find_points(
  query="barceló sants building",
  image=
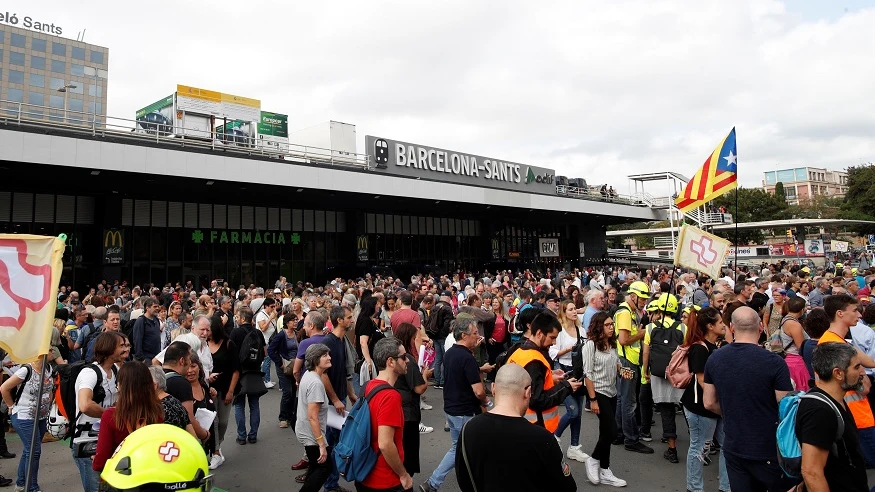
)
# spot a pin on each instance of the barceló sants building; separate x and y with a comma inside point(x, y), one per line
point(142, 202)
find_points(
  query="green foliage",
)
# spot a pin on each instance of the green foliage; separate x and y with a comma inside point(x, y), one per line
point(819, 207)
point(754, 205)
point(859, 202)
point(779, 191)
point(644, 242)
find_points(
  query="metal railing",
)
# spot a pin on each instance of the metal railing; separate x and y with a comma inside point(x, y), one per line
point(664, 242)
point(595, 193)
point(32, 115)
point(709, 217)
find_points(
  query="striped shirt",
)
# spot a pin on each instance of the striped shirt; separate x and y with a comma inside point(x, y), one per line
point(601, 368)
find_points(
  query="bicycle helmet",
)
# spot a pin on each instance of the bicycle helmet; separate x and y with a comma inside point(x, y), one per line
point(158, 457)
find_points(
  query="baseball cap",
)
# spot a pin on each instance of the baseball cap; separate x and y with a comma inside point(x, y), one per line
point(551, 297)
point(277, 291)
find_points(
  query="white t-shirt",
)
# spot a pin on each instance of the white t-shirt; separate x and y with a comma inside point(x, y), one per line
point(262, 316)
point(24, 408)
point(88, 379)
point(563, 341)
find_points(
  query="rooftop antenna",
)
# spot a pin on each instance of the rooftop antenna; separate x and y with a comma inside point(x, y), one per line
point(83, 35)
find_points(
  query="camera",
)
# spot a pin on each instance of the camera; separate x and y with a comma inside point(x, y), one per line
point(85, 443)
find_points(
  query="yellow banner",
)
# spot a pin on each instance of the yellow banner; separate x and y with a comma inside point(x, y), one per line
point(194, 92)
point(30, 270)
point(243, 101)
point(701, 251)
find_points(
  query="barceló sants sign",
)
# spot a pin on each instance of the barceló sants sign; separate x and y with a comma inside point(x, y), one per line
point(30, 23)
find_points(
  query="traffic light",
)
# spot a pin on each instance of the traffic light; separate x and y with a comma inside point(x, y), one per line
point(790, 233)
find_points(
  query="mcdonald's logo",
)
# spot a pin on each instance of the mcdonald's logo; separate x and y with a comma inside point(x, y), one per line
point(111, 237)
point(361, 242)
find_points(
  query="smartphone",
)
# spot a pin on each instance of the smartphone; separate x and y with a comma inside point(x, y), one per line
point(569, 373)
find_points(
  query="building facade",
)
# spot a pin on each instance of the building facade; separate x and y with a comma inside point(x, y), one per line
point(50, 78)
point(802, 184)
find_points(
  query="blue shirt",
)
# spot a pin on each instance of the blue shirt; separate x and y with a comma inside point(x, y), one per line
point(587, 317)
point(864, 339)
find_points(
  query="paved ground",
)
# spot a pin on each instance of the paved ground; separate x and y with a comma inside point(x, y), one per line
point(265, 465)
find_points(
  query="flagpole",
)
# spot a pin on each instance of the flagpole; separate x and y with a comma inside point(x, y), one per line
point(36, 419)
point(735, 219)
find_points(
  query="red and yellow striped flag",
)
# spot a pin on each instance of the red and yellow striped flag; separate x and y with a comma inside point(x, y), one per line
point(717, 176)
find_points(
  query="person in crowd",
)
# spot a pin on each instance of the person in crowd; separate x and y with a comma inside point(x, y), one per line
point(570, 339)
point(146, 339)
point(367, 334)
point(491, 440)
point(109, 349)
point(411, 386)
point(704, 328)
point(601, 365)
point(744, 383)
point(238, 336)
point(204, 396)
point(174, 412)
point(792, 338)
point(404, 312)
point(387, 420)
point(438, 328)
point(773, 313)
point(595, 302)
point(314, 329)
point(137, 405)
point(226, 364)
point(630, 333)
point(496, 330)
point(283, 350)
point(829, 463)
point(337, 379)
point(28, 408)
point(55, 356)
point(312, 417)
point(266, 322)
point(389, 307)
point(177, 362)
point(171, 324)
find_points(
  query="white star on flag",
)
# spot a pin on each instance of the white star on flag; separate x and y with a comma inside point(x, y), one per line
point(731, 158)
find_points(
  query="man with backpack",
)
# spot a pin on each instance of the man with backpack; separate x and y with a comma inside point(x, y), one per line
point(250, 343)
point(88, 333)
point(832, 460)
point(95, 390)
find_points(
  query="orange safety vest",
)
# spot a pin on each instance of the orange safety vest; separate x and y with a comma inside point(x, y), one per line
point(549, 417)
point(857, 403)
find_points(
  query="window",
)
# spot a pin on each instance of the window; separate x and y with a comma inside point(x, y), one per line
point(37, 80)
point(16, 58)
point(38, 45)
point(17, 40)
point(56, 102)
point(78, 53)
point(56, 83)
point(36, 98)
point(38, 62)
point(59, 66)
point(79, 89)
point(96, 108)
point(59, 49)
point(97, 57)
point(15, 95)
point(76, 69)
point(95, 90)
point(15, 77)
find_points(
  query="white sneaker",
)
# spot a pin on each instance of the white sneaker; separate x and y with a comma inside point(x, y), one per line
point(216, 461)
point(559, 441)
point(269, 384)
point(424, 429)
point(592, 470)
point(606, 477)
point(424, 406)
point(576, 453)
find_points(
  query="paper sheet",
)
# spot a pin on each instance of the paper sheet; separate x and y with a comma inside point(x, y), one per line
point(204, 417)
point(421, 356)
point(336, 421)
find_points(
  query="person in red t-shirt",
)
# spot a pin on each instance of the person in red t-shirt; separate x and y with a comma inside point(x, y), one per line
point(405, 314)
point(387, 421)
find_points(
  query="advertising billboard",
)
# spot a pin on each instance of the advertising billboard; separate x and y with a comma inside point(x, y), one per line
point(157, 117)
point(218, 104)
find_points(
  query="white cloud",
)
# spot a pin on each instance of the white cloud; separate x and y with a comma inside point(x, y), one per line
point(594, 89)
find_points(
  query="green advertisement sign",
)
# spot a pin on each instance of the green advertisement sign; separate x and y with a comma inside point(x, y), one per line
point(156, 106)
point(273, 124)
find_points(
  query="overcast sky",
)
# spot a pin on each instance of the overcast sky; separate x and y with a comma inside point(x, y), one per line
point(596, 89)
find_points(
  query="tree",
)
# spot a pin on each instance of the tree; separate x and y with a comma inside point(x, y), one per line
point(818, 207)
point(859, 202)
point(754, 205)
point(779, 191)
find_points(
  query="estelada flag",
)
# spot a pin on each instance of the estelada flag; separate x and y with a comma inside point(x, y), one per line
point(717, 176)
point(30, 270)
point(701, 251)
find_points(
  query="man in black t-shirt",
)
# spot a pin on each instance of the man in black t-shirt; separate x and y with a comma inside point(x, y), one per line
point(177, 360)
point(827, 462)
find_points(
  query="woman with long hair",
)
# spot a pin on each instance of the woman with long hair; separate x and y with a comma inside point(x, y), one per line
point(411, 386)
point(137, 406)
point(227, 365)
point(367, 334)
point(496, 330)
point(704, 327)
point(283, 350)
point(792, 336)
point(205, 305)
point(569, 340)
point(204, 396)
point(389, 309)
point(171, 324)
point(601, 366)
point(773, 313)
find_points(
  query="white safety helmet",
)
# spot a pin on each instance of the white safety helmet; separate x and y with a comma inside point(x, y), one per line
point(58, 425)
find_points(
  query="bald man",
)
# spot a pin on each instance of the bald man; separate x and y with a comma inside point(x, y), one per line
point(500, 436)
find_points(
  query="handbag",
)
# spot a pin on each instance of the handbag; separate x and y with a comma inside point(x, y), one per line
point(289, 367)
point(252, 384)
point(577, 357)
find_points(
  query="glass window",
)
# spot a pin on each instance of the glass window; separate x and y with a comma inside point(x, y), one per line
point(59, 49)
point(79, 89)
point(15, 95)
point(16, 58)
point(97, 57)
point(56, 102)
point(38, 62)
point(78, 53)
point(17, 40)
point(59, 66)
point(15, 77)
point(56, 83)
point(37, 80)
point(95, 90)
point(38, 45)
point(97, 109)
point(75, 104)
point(76, 69)
point(36, 98)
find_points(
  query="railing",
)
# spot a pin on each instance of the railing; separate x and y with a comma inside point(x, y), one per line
point(709, 217)
point(595, 193)
point(32, 115)
point(664, 242)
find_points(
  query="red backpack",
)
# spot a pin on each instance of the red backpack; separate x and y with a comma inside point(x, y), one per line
point(678, 371)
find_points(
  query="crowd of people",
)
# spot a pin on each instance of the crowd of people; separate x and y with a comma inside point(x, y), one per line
point(508, 350)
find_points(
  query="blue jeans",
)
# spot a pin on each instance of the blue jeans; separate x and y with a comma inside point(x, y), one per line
point(867, 444)
point(332, 437)
point(449, 461)
point(627, 395)
point(265, 368)
point(356, 386)
point(240, 416)
point(439, 360)
point(287, 402)
point(573, 406)
point(703, 429)
point(90, 478)
point(25, 429)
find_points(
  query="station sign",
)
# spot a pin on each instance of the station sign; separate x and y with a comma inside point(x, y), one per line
point(548, 247)
point(417, 161)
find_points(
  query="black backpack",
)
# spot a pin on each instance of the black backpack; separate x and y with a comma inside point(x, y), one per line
point(93, 332)
point(66, 376)
point(663, 342)
point(250, 349)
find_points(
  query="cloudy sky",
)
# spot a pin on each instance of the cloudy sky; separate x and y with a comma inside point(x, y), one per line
point(597, 89)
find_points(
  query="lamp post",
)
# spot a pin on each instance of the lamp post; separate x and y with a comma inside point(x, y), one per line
point(65, 91)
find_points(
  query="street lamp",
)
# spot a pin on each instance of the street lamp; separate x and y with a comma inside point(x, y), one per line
point(64, 90)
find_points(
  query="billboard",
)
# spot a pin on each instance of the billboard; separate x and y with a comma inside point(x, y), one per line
point(814, 247)
point(218, 104)
point(548, 247)
point(157, 117)
point(113, 247)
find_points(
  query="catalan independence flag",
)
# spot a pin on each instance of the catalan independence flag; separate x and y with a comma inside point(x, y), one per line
point(718, 175)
